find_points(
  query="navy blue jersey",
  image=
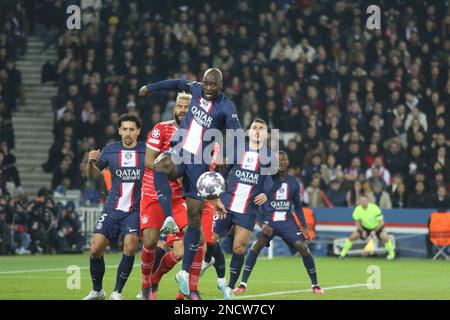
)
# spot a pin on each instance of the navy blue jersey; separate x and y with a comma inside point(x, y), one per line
point(285, 200)
point(249, 177)
point(219, 114)
point(127, 170)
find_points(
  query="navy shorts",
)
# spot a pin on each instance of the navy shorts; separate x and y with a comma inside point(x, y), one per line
point(223, 226)
point(113, 223)
point(190, 168)
point(286, 230)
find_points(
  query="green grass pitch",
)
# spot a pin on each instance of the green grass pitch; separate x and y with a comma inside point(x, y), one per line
point(46, 277)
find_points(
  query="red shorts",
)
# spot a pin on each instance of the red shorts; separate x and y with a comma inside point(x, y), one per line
point(152, 215)
point(207, 226)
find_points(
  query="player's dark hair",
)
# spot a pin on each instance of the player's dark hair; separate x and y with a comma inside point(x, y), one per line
point(129, 117)
point(259, 120)
point(284, 153)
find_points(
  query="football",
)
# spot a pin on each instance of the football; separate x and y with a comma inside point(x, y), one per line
point(210, 185)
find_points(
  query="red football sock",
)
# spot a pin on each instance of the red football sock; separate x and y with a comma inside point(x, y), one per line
point(147, 261)
point(168, 261)
point(196, 268)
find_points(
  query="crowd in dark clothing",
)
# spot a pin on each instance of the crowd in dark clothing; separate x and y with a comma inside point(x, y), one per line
point(12, 45)
point(39, 226)
point(359, 109)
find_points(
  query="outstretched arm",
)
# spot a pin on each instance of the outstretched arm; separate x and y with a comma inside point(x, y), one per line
point(180, 85)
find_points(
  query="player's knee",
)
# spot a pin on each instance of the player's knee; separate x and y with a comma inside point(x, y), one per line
point(96, 251)
point(239, 248)
point(129, 249)
point(258, 246)
point(195, 220)
point(302, 248)
point(149, 243)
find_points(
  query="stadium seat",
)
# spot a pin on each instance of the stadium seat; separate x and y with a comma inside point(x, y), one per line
point(440, 233)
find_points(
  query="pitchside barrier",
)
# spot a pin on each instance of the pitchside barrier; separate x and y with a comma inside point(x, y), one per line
point(408, 227)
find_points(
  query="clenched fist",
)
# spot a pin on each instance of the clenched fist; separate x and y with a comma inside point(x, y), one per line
point(94, 155)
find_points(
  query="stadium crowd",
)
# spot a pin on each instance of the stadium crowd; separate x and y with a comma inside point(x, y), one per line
point(39, 226)
point(358, 109)
point(12, 45)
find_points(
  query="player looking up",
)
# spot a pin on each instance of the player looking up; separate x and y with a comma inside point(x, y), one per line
point(125, 160)
point(279, 221)
point(209, 109)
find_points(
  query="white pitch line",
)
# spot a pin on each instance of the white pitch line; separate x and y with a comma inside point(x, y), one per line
point(55, 269)
point(300, 291)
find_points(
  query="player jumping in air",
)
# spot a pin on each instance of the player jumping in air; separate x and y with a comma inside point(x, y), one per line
point(155, 261)
point(125, 160)
point(238, 207)
point(279, 221)
point(209, 109)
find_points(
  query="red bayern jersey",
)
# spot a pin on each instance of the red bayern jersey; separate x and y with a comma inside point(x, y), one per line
point(159, 140)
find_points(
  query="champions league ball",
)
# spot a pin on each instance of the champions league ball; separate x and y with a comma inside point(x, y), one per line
point(211, 185)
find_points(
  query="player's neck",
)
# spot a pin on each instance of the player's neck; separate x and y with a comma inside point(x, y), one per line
point(283, 174)
point(255, 145)
point(131, 146)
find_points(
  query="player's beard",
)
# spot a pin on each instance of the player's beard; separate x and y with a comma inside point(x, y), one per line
point(178, 121)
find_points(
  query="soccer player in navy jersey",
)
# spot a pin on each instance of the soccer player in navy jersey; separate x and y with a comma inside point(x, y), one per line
point(279, 221)
point(253, 177)
point(125, 159)
point(190, 157)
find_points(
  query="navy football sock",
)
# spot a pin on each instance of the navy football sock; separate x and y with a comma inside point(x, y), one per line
point(164, 192)
point(237, 260)
point(191, 240)
point(158, 256)
point(219, 264)
point(123, 271)
point(249, 264)
point(310, 266)
point(210, 248)
point(97, 267)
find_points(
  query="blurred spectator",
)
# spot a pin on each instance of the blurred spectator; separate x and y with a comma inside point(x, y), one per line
point(362, 101)
point(442, 200)
point(420, 198)
point(336, 194)
point(382, 198)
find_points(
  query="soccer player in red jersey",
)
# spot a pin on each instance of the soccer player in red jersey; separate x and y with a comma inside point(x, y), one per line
point(152, 216)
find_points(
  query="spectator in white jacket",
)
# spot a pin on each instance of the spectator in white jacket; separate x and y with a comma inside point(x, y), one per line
point(378, 164)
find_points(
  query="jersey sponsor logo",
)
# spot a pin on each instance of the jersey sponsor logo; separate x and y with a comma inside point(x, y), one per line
point(280, 205)
point(202, 117)
point(156, 133)
point(247, 177)
point(129, 174)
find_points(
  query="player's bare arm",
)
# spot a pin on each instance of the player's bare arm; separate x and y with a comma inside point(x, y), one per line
point(150, 157)
point(92, 171)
